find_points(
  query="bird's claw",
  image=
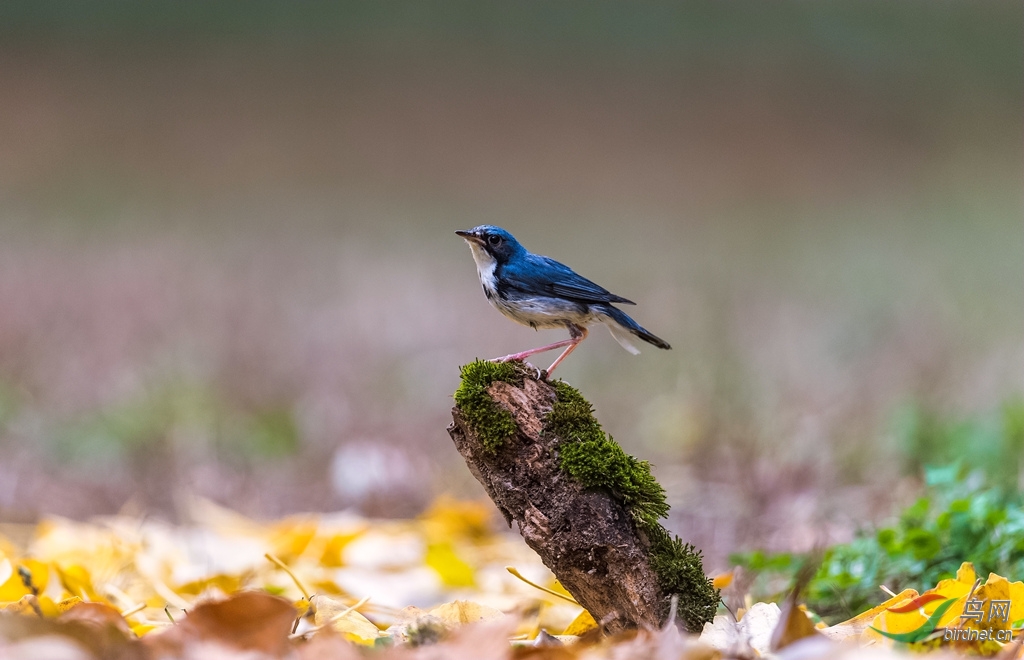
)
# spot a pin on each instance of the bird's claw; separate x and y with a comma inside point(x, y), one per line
point(542, 374)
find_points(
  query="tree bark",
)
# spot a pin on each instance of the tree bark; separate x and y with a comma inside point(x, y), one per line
point(586, 537)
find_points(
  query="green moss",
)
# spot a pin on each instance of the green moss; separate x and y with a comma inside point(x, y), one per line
point(492, 423)
point(572, 417)
point(601, 463)
point(680, 570)
point(595, 460)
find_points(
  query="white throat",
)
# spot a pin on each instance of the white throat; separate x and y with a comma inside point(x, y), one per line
point(485, 266)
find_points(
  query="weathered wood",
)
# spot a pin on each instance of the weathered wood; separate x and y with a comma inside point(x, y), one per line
point(587, 537)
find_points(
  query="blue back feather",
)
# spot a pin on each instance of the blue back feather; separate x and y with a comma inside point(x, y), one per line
point(542, 276)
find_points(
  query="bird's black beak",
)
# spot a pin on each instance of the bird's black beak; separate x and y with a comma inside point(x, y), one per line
point(469, 235)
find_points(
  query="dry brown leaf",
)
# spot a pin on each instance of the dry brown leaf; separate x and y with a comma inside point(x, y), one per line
point(248, 621)
point(99, 615)
point(99, 637)
point(25, 605)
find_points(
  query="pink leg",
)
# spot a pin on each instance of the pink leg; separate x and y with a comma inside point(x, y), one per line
point(579, 333)
point(533, 351)
point(575, 341)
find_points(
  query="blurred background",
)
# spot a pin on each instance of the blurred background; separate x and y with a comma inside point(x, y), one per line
point(227, 265)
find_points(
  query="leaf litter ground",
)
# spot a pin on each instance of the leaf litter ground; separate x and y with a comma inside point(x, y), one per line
point(438, 586)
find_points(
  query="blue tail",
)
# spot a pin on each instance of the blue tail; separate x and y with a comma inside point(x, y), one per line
point(621, 326)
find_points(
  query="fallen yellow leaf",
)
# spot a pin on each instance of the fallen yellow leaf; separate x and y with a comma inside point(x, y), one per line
point(460, 612)
point(583, 623)
point(722, 580)
point(78, 582)
point(290, 538)
point(858, 624)
point(453, 570)
point(339, 615)
point(449, 518)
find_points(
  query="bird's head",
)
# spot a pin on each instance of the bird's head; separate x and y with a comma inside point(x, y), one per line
point(491, 243)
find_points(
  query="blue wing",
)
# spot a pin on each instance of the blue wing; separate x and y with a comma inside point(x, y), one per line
point(542, 276)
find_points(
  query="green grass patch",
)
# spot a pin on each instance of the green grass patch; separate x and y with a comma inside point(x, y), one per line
point(959, 517)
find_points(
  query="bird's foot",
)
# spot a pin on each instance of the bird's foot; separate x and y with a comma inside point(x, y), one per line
point(542, 374)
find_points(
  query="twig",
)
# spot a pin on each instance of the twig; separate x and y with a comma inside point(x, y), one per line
point(133, 610)
point(168, 594)
point(284, 567)
point(515, 571)
point(336, 617)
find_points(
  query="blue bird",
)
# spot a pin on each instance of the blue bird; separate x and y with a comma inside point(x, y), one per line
point(543, 293)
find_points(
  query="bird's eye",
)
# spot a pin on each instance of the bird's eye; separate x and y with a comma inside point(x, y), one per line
point(494, 240)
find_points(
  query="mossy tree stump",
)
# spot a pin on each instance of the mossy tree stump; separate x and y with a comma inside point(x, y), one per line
point(586, 507)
